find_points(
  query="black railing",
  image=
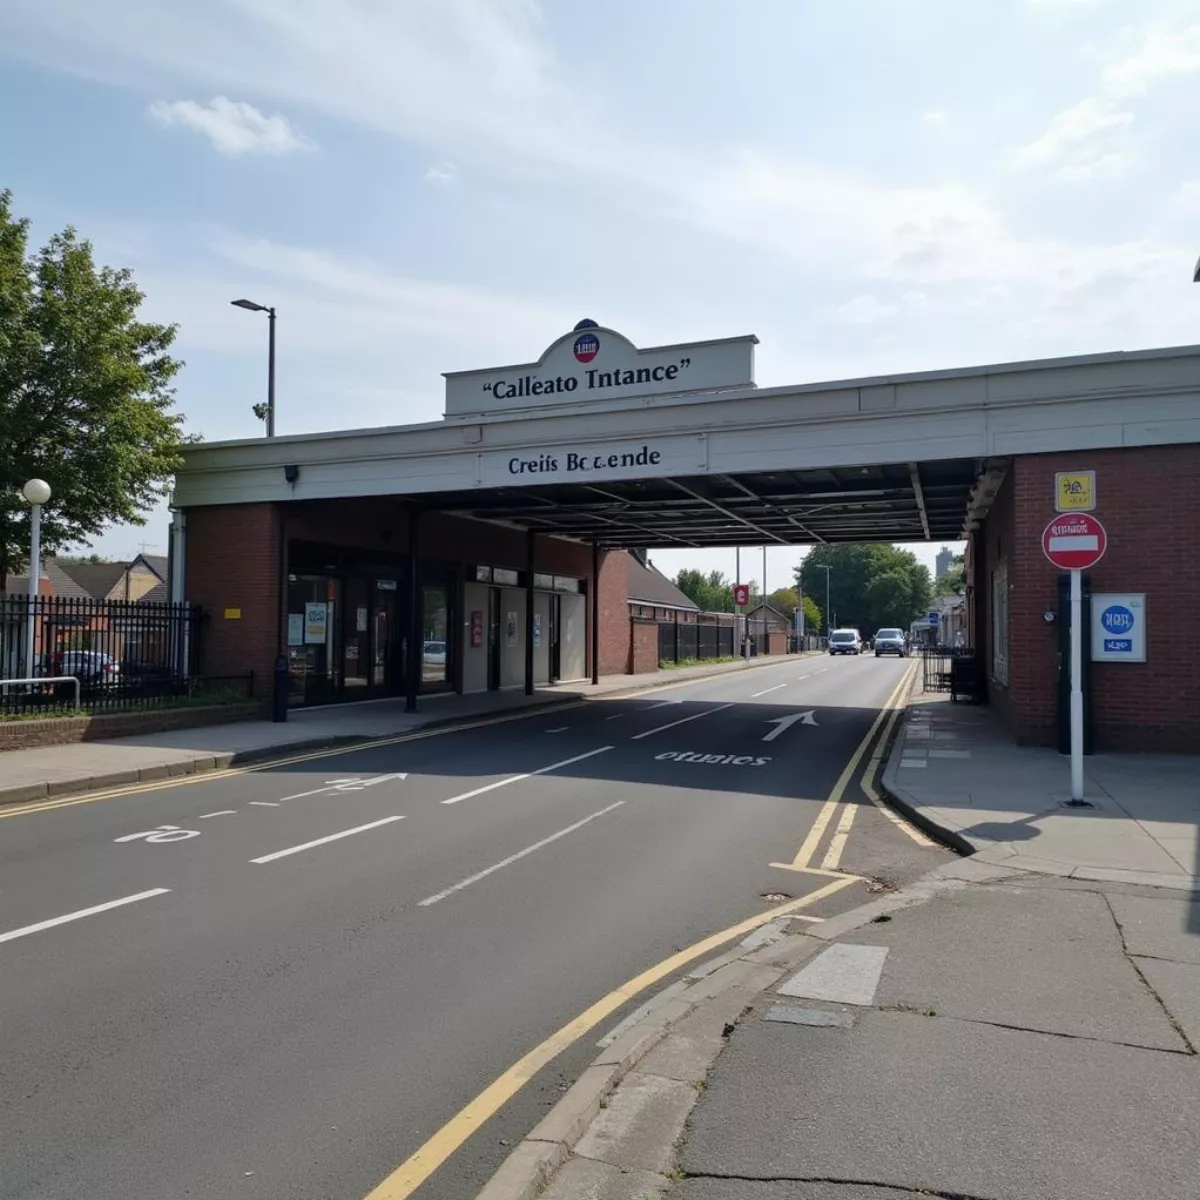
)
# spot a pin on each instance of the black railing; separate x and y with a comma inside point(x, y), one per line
point(952, 669)
point(709, 638)
point(126, 655)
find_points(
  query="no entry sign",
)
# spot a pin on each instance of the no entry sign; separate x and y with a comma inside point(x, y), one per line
point(1074, 541)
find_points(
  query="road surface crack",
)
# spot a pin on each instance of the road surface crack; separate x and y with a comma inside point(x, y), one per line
point(905, 1189)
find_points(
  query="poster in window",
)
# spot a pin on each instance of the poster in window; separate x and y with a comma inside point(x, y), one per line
point(510, 629)
point(316, 616)
point(537, 629)
point(361, 622)
point(295, 629)
point(477, 628)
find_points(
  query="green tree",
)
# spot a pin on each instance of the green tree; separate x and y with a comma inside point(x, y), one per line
point(710, 592)
point(871, 586)
point(954, 581)
point(785, 599)
point(85, 392)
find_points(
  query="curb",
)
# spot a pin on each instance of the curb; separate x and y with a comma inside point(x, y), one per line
point(681, 1033)
point(203, 763)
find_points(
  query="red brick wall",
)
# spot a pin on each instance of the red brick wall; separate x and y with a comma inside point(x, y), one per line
point(643, 655)
point(232, 561)
point(615, 638)
point(1149, 501)
point(776, 641)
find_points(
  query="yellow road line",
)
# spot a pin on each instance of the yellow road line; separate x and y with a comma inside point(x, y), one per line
point(423, 1162)
point(833, 856)
point(137, 789)
point(868, 783)
point(809, 846)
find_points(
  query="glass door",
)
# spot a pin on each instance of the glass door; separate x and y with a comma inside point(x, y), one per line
point(387, 674)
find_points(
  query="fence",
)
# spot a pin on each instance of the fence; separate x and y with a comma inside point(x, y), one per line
point(126, 655)
point(714, 635)
point(953, 669)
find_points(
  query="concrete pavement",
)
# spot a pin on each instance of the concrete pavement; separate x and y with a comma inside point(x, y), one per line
point(287, 981)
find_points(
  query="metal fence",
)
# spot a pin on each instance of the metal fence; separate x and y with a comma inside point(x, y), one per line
point(953, 669)
point(126, 655)
point(695, 641)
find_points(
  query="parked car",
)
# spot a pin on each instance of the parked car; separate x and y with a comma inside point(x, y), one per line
point(890, 641)
point(435, 653)
point(90, 667)
point(845, 641)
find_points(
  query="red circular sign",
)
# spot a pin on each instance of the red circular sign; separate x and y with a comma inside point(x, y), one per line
point(741, 594)
point(1074, 541)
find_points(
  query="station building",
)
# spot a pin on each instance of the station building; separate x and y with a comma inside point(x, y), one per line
point(489, 549)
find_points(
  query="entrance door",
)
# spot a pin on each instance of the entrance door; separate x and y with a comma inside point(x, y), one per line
point(555, 638)
point(387, 664)
point(493, 639)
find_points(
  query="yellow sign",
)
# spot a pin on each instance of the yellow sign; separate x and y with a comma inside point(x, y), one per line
point(233, 614)
point(1075, 491)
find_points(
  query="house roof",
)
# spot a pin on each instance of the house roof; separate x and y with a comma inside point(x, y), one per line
point(770, 608)
point(155, 562)
point(648, 585)
point(95, 579)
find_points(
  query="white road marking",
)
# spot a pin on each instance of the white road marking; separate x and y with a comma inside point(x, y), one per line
point(164, 833)
point(223, 812)
point(512, 858)
point(782, 723)
point(333, 837)
point(767, 691)
point(26, 930)
point(662, 704)
point(357, 785)
point(637, 737)
point(798, 677)
point(843, 974)
point(559, 729)
point(491, 787)
point(301, 795)
point(615, 717)
point(265, 803)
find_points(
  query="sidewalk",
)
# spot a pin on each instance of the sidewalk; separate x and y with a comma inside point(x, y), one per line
point(955, 770)
point(87, 766)
point(1020, 1025)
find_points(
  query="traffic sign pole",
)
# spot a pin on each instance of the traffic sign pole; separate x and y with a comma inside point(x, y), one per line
point(1076, 687)
point(1074, 542)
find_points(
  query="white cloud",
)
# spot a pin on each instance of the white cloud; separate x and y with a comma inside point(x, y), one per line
point(864, 310)
point(1162, 52)
point(443, 172)
point(233, 127)
point(935, 119)
point(1080, 140)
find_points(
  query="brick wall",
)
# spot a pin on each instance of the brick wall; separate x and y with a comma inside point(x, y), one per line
point(643, 647)
point(1149, 501)
point(232, 562)
point(60, 731)
point(614, 614)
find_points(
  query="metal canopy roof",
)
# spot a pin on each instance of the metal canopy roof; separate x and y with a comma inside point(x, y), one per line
point(891, 502)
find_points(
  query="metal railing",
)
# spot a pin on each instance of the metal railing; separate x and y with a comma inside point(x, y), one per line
point(39, 682)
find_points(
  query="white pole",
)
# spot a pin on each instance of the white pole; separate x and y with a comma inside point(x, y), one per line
point(1076, 685)
point(35, 571)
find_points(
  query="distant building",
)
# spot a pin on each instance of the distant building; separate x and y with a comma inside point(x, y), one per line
point(943, 563)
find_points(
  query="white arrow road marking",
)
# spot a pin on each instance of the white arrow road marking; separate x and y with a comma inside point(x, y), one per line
point(25, 930)
point(357, 785)
point(512, 858)
point(782, 723)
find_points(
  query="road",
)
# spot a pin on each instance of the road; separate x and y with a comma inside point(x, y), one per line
point(318, 965)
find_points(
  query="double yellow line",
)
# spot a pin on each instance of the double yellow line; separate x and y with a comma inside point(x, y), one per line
point(833, 855)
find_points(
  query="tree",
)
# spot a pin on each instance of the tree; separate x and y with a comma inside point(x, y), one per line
point(871, 586)
point(85, 393)
point(784, 600)
point(954, 581)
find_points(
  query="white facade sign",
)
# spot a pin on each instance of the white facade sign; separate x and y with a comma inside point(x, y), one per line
point(587, 462)
point(600, 364)
point(1119, 627)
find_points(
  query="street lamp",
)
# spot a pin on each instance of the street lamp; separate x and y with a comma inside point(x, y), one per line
point(37, 492)
point(267, 414)
point(828, 616)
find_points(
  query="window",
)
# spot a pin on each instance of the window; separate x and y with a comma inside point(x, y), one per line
point(1000, 623)
point(433, 655)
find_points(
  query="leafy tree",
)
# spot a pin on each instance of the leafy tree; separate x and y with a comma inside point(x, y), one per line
point(871, 586)
point(954, 582)
point(85, 392)
point(785, 600)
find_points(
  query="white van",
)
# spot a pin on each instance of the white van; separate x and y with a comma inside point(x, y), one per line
point(845, 641)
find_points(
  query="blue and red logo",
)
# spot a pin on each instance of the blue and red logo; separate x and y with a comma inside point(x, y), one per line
point(587, 346)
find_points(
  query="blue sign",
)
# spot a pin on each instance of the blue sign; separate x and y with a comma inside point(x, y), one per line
point(935, 618)
point(1118, 645)
point(587, 346)
point(1116, 618)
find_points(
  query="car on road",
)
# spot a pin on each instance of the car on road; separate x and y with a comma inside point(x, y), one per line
point(890, 641)
point(845, 641)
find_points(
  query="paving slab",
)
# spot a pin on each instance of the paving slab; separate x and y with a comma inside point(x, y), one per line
point(1159, 928)
point(642, 1123)
point(586, 1179)
point(1030, 958)
point(1178, 987)
point(683, 1058)
point(946, 1106)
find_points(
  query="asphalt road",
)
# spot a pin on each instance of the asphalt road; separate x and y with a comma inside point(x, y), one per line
point(297, 1011)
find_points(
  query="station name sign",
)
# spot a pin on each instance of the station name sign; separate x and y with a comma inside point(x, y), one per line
point(580, 462)
point(591, 363)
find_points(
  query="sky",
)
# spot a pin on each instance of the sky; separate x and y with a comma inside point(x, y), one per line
point(869, 186)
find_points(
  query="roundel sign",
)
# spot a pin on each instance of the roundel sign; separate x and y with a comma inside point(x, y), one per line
point(741, 594)
point(587, 346)
point(1074, 541)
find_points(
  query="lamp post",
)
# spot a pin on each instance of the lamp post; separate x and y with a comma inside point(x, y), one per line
point(828, 571)
point(269, 414)
point(37, 492)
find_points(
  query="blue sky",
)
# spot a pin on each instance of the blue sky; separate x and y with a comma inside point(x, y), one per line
point(420, 186)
